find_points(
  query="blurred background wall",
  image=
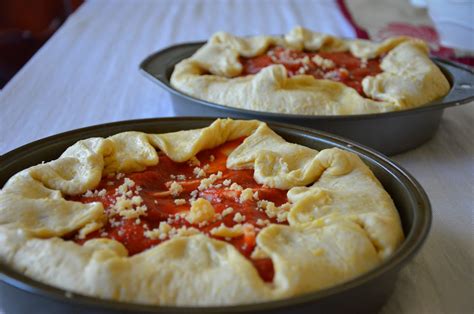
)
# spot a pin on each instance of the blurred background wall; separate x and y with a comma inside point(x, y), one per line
point(25, 25)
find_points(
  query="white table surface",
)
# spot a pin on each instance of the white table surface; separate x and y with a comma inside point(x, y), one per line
point(87, 74)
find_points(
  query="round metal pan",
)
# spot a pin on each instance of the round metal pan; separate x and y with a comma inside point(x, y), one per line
point(364, 294)
point(390, 133)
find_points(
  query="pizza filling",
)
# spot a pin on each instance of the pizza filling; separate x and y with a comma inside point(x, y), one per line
point(336, 66)
point(180, 199)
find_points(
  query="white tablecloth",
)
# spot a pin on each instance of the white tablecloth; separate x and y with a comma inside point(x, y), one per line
point(87, 74)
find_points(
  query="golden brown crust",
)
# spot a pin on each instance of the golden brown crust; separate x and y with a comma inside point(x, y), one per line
point(341, 222)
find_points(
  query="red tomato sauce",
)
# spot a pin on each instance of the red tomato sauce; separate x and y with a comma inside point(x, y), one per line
point(346, 68)
point(152, 185)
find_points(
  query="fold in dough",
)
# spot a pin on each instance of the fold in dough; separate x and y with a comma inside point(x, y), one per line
point(341, 222)
point(410, 78)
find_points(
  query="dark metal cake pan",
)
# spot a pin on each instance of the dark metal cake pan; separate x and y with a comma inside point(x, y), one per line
point(364, 294)
point(390, 133)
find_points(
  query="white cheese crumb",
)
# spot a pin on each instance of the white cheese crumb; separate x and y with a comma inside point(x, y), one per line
point(226, 232)
point(262, 222)
point(271, 210)
point(175, 188)
point(183, 232)
point(125, 186)
point(137, 200)
point(227, 211)
point(207, 182)
point(199, 172)
point(201, 210)
point(193, 195)
point(235, 187)
point(323, 63)
point(158, 233)
point(238, 217)
point(227, 182)
point(181, 177)
point(180, 201)
point(246, 195)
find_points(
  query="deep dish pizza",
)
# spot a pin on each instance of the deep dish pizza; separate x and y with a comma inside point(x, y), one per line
point(227, 214)
point(311, 73)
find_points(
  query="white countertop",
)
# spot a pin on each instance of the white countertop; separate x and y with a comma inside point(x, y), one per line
point(87, 74)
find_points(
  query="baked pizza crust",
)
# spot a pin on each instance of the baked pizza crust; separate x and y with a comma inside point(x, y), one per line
point(342, 223)
point(409, 78)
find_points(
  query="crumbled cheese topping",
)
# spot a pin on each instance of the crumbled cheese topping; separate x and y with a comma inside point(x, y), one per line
point(199, 172)
point(262, 222)
point(271, 210)
point(166, 231)
point(235, 187)
point(129, 208)
point(158, 233)
point(212, 158)
point(125, 186)
point(238, 217)
point(208, 182)
point(175, 188)
point(126, 203)
point(246, 195)
point(193, 195)
point(226, 232)
point(201, 210)
point(183, 232)
point(227, 211)
point(301, 70)
point(323, 63)
point(227, 182)
point(180, 201)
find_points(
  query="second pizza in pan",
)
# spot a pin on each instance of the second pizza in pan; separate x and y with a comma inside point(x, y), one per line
point(310, 73)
